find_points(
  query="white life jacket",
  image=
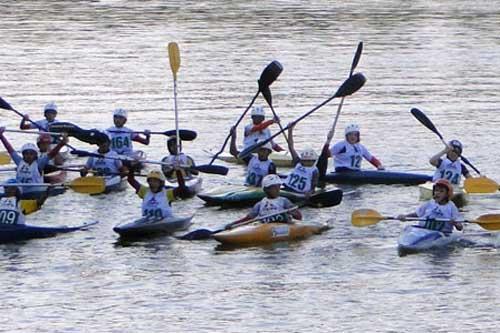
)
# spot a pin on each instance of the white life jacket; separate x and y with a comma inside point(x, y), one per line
point(256, 170)
point(28, 173)
point(121, 142)
point(156, 204)
point(270, 206)
point(301, 178)
point(451, 171)
point(432, 210)
point(105, 166)
point(10, 211)
point(346, 155)
point(254, 137)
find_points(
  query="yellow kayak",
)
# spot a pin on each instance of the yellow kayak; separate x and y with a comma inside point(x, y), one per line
point(460, 197)
point(280, 159)
point(265, 233)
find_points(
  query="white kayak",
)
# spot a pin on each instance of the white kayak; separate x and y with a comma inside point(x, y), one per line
point(147, 226)
point(414, 238)
point(280, 159)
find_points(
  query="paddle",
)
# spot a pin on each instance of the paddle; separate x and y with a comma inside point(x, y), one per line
point(206, 168)
point(480, 185)
point(88, 185)
point(200, 234)
point(424, 120)
point(174, 57)
point(267, 77)
point(30, 132)
point(88, 136)
point(323, 162)
point(4, 158)
point(185, 135)
point(6, 106)
point(367, 217)
point(348, 87)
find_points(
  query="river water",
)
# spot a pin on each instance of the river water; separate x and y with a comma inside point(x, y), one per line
point(93, 56)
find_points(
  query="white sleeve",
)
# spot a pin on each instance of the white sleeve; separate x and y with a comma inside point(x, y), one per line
point(366, 153)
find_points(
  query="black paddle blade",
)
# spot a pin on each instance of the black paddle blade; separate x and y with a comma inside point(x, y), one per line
point(266, 92)
point(83, 153)
point(92, 136)
point(4, 105)
point(214, 169)
point(351, 85)
point(422, 118)
point(270, 74)
point(356, 58)
point(185, 135)
point(328, 198)
point(197, 235)
point(247, 151)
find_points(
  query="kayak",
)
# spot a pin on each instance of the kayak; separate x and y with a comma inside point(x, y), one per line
point(245, 196)
point(460, 196)
point(193, 184)
point(280, 159)
point(149, 226)
point(415, 238)
point(376, 177)
point(115, 184)
point(34, 195)
point(265, 233)
point(17, 232)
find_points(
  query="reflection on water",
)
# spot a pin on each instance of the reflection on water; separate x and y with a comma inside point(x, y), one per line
point(93, 56)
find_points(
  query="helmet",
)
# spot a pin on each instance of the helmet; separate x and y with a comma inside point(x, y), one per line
point(446, 184)
point(51, 106)
point(101, 137)
point(172, 138)
point(351, 128)
point(271, 180)
point(267, 146)
point(120, 113)
point(308, 154)
point(29, 146)
point(456, 145)
point(258, 111)
point(44, 138)
point(155, 174)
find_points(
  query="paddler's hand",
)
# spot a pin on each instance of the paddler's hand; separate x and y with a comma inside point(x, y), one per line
point(147, 133)
point(276, 120)
point(457, 225)
point(124, 171)
point(64, 137)
point(26, 117)
point(84, 172)
point(232, 130)
point(401, 217)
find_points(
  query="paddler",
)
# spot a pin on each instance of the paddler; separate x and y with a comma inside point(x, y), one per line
point(177, 160)
point(305, 175)
point(43, 142)
point(50, 114)
point(450, 167)
point(349, 153)
point(30, 167)
point(156, 199)
point(258, 166)
point(12, 208)
point(439, 207)
point(122, 137)
point(258, 130)
point(110, 166)
point(272, 203)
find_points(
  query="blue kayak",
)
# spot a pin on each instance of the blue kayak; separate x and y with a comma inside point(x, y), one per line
point(17, 232)
point(376, 177)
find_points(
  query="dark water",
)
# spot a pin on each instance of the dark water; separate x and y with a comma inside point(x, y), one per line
point(93, 56)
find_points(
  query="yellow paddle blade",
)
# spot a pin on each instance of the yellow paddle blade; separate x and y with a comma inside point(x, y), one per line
point(89, 185)
point(365, 217)
point(489, 221)
point(4, 158)
point(175, 58)
point(480, 185)
point(29, 206)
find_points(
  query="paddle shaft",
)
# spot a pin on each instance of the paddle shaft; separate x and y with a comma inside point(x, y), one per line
point(258, 218)
point(31, 132)
point(235, 125)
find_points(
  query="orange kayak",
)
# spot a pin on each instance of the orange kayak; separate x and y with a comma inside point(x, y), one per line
point(265, 233)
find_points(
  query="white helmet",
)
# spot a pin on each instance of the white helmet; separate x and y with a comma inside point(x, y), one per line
point(120, 113)
point(271, 180)
point(351, 128)
point(29, 146)
point(267, 146)
point(51, 106)
point(258, 111)
point(308, 154)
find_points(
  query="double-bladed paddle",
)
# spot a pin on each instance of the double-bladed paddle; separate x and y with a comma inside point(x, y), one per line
point(367, 217)
point(174, 57)
point(184, 134)
point(348, 87)
point(200, 234)
point(88, 185)
point(267, 77)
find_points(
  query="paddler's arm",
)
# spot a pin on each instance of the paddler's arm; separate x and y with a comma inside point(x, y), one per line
point(181, 191)
point(436, 159)
point(58, 147)
point(262, 126)
point(403, 217)
point(465, 171)
point(6, 142)
point(291, 144)
point(322, 163)
point(232, 145)
point(133, 182)
point(144, 140)
point(372, 159)
point(191, 165)
point(24, 125)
